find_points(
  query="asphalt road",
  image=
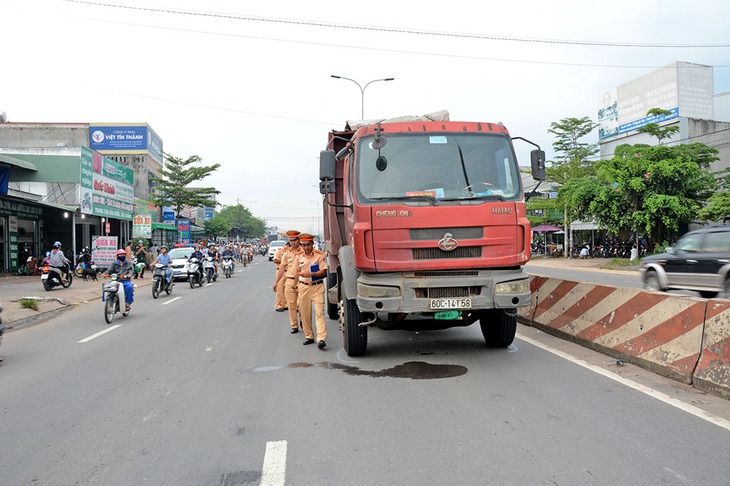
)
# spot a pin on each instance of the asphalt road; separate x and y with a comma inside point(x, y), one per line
point(207, 387)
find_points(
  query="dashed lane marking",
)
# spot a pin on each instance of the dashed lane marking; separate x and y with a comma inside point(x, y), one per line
point(101, 333)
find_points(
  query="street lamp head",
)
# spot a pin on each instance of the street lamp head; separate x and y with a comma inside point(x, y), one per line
point(388, 79)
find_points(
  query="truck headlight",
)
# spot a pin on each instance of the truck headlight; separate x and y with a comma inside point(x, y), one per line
point(377, 292)
point(516, 287)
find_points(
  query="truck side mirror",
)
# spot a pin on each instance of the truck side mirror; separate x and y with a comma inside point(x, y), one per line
point(327, 172)
point(537, 161)
point(326, 165)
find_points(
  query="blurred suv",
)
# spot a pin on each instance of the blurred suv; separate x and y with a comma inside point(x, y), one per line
point(700, 261)
point(179, 263)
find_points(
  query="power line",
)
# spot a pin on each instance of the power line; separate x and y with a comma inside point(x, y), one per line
point(394, 30)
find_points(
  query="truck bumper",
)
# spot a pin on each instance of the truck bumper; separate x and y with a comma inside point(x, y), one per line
point(411, 292)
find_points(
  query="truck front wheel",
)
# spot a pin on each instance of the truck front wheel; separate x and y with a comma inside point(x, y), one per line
point(355, 336)
point(333, 310)
point(498, 327)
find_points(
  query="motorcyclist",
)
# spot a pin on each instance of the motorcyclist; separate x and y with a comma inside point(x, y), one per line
point(199, 255)
point(124, 269)
point(58, 260)
point(213, 253)
point(227, 252)
point(166, 261)
point(141, 255)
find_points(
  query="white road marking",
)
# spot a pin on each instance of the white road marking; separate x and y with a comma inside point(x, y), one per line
point(172, 300)
point(691, 409)
point(101, 333)
point(274, 471)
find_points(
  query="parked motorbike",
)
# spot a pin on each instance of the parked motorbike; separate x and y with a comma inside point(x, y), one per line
point(195, 272)
point(209, 269)
point(159, 281)
point(227, 266)
point(53, 277)
point(112, 294)
point(85, 265)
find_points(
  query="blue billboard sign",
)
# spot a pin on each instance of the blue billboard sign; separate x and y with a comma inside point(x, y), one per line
point(125, 138)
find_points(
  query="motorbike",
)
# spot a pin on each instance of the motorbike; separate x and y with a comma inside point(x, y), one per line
point(85, 265)
point(227, 266)
point(209, 269)
point(53, 277)
point(195, 272)
point(112, 294)
point(159, 282)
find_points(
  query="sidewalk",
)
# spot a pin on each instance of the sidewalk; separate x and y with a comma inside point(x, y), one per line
point(50, 303)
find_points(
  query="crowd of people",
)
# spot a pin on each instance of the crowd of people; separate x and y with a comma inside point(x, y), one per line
point(299, 286)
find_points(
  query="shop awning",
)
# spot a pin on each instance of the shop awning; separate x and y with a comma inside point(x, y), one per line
point(15, 162)
point(163, 226)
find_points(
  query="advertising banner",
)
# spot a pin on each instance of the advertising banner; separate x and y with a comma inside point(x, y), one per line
point(126, 138)
point(142, 226)
point(168, 215)
point(209, 213)
point(183, 230)
point(107, 188)
point(104, 250)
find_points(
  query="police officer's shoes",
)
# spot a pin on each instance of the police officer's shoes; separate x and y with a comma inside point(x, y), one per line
point(294, 330)
point(321, 344)
point(308, 341)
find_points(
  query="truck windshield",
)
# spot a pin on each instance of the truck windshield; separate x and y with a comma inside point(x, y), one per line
point(438, 167)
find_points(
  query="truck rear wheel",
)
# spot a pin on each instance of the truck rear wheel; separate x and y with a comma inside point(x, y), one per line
point(355, 336)
point(498, 327)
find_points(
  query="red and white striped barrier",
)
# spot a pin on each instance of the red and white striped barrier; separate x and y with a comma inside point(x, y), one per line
point(661, 332)
point(713, 369)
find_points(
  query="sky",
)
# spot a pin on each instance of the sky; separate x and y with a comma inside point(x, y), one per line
point(248, 84)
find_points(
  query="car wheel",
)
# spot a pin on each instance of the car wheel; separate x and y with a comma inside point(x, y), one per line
point(651, 282)
point(707, 294)
point(499, 327)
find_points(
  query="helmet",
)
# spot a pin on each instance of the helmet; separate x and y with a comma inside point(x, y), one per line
point(164, 246)
point(57, 244)
point(211, 244)
point(140, 242)
point(121, 252)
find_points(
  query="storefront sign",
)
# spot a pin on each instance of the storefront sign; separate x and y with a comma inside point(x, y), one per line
point(142, 226)
point(104, 250)
point(21, 210)
point(183, 231)
point(107, 188)
point(126, 138)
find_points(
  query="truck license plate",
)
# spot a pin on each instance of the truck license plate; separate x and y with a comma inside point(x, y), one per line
point(440, 304)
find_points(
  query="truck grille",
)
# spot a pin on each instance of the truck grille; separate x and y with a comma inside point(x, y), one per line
point(446, 273)
point(448, 292)
point(467, 233)
point(437, 254)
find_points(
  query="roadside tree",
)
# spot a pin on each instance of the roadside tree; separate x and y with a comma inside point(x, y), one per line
point(172, 185)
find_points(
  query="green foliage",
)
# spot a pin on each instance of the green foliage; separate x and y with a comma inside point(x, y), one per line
point(217, 226)
point(240, 217)
point(651, 190)
point(573, 154)
point(718, 206)
point(551, 211)
point(655, 130)
point(29, 304)
point(176, 175)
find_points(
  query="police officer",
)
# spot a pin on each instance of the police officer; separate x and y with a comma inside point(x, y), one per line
point(288, 270)
point(280, 304)
point(312, 269)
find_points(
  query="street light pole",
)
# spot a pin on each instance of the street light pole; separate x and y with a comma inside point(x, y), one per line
point(362, 91)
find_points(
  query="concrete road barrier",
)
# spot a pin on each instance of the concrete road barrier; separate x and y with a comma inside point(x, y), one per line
point(660, 332)
point(713, 369)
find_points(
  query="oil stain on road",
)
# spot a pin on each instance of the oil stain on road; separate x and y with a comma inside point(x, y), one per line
point(414, 370)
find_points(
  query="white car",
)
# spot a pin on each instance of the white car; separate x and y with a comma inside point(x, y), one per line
point(275, 245)
point(179, 258)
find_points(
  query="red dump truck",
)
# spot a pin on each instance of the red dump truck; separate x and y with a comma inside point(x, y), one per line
point(425, 227)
